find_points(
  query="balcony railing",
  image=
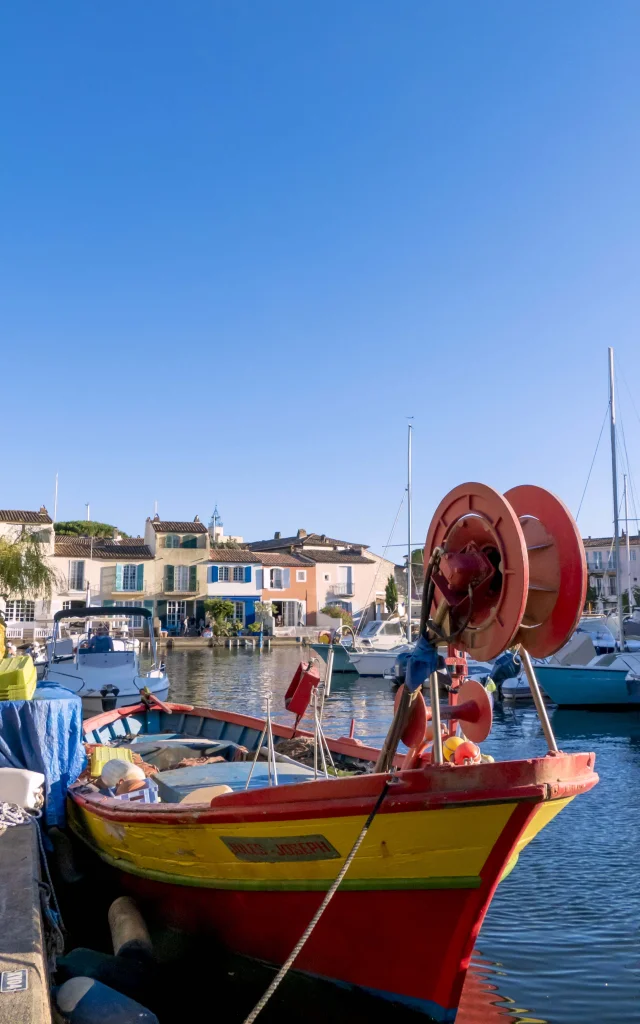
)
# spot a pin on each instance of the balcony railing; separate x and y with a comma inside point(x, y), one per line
point(341, 589)
point(604, 566)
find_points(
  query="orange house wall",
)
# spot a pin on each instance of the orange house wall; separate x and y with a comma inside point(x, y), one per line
point(306, 591)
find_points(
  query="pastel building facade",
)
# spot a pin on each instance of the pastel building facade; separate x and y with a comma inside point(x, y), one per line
point(235, 575)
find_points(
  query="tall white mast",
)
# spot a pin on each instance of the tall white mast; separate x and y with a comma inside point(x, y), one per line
point(614, 480)
point(409, 526)
point(626, 533)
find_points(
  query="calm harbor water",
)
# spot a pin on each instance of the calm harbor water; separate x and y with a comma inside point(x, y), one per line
point(561, 941)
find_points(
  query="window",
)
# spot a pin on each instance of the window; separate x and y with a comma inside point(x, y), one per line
point(181, 578)
point(172, 541)
point(20, 611)
point(70, 605)
point(327, 577)
point(276, 579)
point(189, 541)
point(76, 575)
point(129, 577)
point(633, 554)
point(238, 574)
point(595, 560)
point(612, 586)
point(176, 611)
point(135, 621)
point(392, 629)
point(238, 611)
point(301, 575)
point(223, 574)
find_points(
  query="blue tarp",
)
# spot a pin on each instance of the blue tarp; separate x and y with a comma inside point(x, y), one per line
point(422, 661)
point(44, 735)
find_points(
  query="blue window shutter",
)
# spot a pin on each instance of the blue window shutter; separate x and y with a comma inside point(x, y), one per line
point(148, 604)
point(140, 577)
point(108, 604)
point(168, 578)
point(247, 574)
point(286, 578)
point(213, 574)
point(118, 576)
point(193, 578)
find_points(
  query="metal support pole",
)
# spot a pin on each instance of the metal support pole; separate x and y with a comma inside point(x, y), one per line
point(614, 481)
point(437, 757)
point(409, 529)
point(538, 701)
point(329, 672)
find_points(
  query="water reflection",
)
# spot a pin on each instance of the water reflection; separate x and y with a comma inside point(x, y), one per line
point(563, 927)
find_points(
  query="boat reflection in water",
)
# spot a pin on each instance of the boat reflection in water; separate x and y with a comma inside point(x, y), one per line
point(482, 1003)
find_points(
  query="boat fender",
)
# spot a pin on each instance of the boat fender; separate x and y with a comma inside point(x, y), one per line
point(467, 753)
point(87, 1001)
point(132, 978)
point(64, 858)
point(129, 932)
point(115, 771)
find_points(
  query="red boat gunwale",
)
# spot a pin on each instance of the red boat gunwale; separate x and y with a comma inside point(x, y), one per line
point(429, 788)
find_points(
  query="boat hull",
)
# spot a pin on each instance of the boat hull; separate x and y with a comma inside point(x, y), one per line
point(584, 686)
point(251, 868)
point(340, 656)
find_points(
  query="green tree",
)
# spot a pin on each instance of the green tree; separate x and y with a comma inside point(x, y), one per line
point(391, 595)
point(336, 612)
point(625, 599)
point(87, 528)
point(218, 609)
point(24, 572)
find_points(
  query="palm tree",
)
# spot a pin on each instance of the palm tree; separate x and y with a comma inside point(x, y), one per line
point(24, 572)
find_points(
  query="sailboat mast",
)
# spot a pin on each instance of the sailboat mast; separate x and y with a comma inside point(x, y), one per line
point(626, 533)
point(614, 481)
point(409, 527)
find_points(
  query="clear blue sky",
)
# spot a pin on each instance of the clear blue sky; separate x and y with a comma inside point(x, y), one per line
point(240, 242)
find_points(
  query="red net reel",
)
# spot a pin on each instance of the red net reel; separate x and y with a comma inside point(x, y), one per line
point(557, 570)
point(512, 570)
point(485, 550)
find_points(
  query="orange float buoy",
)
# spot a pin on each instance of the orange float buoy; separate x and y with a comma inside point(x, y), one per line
point(467, 753)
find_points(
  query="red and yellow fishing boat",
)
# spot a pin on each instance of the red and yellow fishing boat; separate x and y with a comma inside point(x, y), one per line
point(251, 860)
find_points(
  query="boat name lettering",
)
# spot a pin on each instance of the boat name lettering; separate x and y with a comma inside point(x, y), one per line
point(272, 849)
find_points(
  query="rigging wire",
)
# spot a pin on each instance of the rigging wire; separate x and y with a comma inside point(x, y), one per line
point(627, 461)
point(593, 459)
point(384, 554)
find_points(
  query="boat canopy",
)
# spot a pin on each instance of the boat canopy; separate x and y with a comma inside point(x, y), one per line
point(96, 612)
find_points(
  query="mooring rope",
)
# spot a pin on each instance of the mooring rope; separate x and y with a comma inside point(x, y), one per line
point(320, 911)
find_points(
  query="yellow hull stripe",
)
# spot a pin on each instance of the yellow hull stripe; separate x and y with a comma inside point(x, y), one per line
point(438, 848)
point(546, 812)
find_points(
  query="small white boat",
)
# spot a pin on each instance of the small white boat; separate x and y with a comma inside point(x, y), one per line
point(376, 663)
point(103, 670)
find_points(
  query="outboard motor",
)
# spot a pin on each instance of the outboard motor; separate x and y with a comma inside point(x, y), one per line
point(109, 696)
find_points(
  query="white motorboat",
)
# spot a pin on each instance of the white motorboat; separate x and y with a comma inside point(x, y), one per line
point(104, 670)
point(376, 663)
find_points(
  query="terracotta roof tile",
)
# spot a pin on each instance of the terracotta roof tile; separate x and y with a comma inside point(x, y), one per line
point(81, 547)
point(238, 555)
point(313, 539)
point(160, 526)
point(285, 558)
point(36, 518)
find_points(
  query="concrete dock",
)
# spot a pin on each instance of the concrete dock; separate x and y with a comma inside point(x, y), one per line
point(24, 982)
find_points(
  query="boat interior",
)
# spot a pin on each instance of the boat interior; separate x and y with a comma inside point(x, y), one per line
point(230, 756)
